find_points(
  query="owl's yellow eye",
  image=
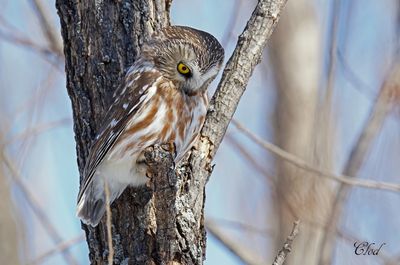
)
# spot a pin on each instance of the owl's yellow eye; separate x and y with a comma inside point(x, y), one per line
point(184, 70)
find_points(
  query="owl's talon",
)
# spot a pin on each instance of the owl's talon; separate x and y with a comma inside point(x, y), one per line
point(170, 147)
point(141, 160)
point(143, 166)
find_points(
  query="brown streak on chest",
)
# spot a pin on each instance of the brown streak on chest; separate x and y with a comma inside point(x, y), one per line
point(165, 130)
point(172, 136)
point(178, 102)
point(143, 140)
point(145, 122)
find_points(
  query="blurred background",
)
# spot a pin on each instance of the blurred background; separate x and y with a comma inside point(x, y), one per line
point(326, 91)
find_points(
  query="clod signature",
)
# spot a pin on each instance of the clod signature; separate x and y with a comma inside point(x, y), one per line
point(367, 248)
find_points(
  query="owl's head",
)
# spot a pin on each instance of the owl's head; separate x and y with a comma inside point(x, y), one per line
point(190, 58)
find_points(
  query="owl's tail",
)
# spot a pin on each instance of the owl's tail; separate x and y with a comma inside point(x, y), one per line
point(92, 204)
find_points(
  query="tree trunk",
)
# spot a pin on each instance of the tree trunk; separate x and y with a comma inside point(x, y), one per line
point(159, 224)
point(303, 129)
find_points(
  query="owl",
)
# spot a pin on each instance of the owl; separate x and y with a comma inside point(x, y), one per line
point(163, 99)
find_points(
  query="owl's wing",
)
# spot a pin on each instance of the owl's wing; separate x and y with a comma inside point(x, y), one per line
point(128, 99)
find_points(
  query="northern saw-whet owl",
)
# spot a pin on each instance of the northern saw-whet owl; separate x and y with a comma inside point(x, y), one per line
point(163, 99)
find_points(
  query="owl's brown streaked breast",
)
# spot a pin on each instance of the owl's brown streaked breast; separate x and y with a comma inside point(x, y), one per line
point(169, 115)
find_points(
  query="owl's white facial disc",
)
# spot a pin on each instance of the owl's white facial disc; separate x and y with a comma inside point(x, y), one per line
point(198, 81)
point(190, 58)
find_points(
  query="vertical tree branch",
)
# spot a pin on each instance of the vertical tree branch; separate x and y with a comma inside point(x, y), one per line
point(303, 128)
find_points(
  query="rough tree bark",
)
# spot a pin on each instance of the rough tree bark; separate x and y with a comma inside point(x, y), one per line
point(164, 222)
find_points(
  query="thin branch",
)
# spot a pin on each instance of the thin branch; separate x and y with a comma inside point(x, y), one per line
point(353, 78)
point(358, 154)
point(30, 132)
point(34, 204)
point(287, 247)
point(271, 179)
point(234, 224)
point(58, 248)
point(43, 52)
point(249, 157)
point(35, 107)
point(370, 184)
point(38, 99)
point(14, 36)
point(332, 51)
point(47, 27)
point(108, 223)
point(234, 246)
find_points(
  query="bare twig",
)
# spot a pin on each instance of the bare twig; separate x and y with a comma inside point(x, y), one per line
point(333, 48)
point(238, 225)
point(370, 184)
point(36, 108)
point(12, 38)
point(58, 248)
point(358, 154)
point(271, 179)
point(47, 27)
point(287, 247)
point(249, 157)
point(361, 86)
point(30, 132)
point(109, 232)
point(16, 37)
point(244, 254)
point(44, 52)
point(38, 99)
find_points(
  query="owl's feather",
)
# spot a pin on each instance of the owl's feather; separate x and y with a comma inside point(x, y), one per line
point(92, 206)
